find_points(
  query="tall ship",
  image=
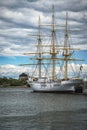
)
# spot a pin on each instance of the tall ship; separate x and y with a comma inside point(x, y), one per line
point(52, 61)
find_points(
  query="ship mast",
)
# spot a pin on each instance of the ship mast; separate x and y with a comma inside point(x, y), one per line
point(39, 52)
point(66, 53)
point(53, 53)
point(39, 48)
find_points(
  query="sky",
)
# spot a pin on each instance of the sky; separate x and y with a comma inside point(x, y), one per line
point(19, 19)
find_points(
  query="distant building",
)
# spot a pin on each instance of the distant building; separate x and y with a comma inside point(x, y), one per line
point(23, 76)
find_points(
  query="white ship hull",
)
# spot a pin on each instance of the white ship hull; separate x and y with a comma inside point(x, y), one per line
point(63, 86)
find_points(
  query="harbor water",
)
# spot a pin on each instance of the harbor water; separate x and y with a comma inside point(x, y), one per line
point(21, 109)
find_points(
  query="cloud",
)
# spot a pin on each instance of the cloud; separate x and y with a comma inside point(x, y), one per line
point(5, 3)
point(10, 70)
point(19, 18)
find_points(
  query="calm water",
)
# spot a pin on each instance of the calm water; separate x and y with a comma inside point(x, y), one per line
point(21, 109)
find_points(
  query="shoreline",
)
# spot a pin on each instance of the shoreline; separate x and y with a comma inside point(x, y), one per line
point(22, 86)
point(25, 86)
